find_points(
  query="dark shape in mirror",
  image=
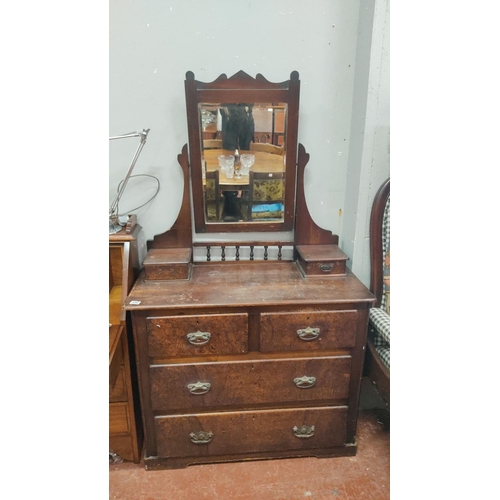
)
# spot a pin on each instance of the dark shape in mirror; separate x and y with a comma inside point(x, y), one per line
point(238, 126)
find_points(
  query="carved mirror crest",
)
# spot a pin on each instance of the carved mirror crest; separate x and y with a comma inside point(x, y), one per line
point(243, 152)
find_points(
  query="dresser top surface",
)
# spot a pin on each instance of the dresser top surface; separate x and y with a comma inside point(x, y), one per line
point(254, 284)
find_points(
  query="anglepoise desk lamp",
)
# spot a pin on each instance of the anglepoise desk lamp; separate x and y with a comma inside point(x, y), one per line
point(115, 224)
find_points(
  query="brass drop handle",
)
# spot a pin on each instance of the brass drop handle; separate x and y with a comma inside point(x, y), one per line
point(304, 431)
point(199, 388)
point(326, 267)
point(305, 382)
point(201, 437)
point(308, 333)
point(198, 338)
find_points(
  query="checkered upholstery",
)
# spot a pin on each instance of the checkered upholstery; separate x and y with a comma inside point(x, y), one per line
point(379, 333)
point(381, 322)
point(385, 355)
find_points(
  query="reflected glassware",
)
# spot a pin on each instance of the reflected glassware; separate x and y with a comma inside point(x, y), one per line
point(247, 160)
point(229, 170)
point(225, 161)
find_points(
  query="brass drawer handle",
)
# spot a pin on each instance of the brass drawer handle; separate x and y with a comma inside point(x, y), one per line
point(199, 388)
point(305, 382)
point(308, 333)
point(201, 437)
point(198, 338)
point(303, 431)
point(326, 267)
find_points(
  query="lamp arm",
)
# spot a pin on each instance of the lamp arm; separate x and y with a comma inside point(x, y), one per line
point(143, 135)
point(132, 134)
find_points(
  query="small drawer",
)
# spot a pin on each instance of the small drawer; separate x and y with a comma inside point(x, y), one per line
point(321, 260)
point(307, 330)
point(168, 264)
point(240, 383)
point(238, 433)
point(197, 335)
point(118, 418)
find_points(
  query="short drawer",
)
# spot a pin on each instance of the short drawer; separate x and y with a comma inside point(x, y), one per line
point(239, 383)
point(197, 335)
point(321, 260)
point(247, 432)
point(303, 331)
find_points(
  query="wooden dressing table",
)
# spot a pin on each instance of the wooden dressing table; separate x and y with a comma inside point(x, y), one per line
point(247, 359)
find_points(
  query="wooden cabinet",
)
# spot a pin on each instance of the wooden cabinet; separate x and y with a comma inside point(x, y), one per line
point(125, 430)
point(224, 378)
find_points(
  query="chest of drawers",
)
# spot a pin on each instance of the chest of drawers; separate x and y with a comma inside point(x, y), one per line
point(248, 361)
point(125, 430)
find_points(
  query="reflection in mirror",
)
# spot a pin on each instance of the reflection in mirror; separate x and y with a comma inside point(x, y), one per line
point(242, 115)
point(243, 152)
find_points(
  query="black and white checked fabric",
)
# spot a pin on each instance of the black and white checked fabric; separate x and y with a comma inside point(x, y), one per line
point(381, 321)
point(380, 333)
point(385, 355)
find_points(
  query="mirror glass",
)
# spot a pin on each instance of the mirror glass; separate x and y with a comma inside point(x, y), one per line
point(243, 157)
point(242, 152)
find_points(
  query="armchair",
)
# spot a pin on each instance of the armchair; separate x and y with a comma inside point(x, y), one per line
point(377, 363)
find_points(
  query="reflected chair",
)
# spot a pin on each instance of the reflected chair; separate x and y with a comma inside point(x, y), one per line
point(265, 195)
point(377, 362)
point(267, 148)
point(212, 144)
point(212, 196)
point(262, 137)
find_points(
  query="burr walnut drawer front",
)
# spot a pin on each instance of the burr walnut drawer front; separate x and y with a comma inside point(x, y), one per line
point(197, 335)
point(236, 433)
point(238, 383)
point(307, 330)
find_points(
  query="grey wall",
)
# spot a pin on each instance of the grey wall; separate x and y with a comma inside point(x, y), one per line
point(368, 164)
point(152, 45)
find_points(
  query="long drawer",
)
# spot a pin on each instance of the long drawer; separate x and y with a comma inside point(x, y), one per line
point(247, 432)
point(304, 331)
point(277, 381)
point(197, 335)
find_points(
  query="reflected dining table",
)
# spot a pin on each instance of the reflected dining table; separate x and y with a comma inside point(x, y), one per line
point(264, 162)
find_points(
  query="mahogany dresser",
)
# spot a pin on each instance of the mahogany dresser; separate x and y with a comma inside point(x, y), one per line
point(249, 361)
point(125, 428)
point(247, 358)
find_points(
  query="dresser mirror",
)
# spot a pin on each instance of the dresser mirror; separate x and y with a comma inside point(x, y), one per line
point(243, 152)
